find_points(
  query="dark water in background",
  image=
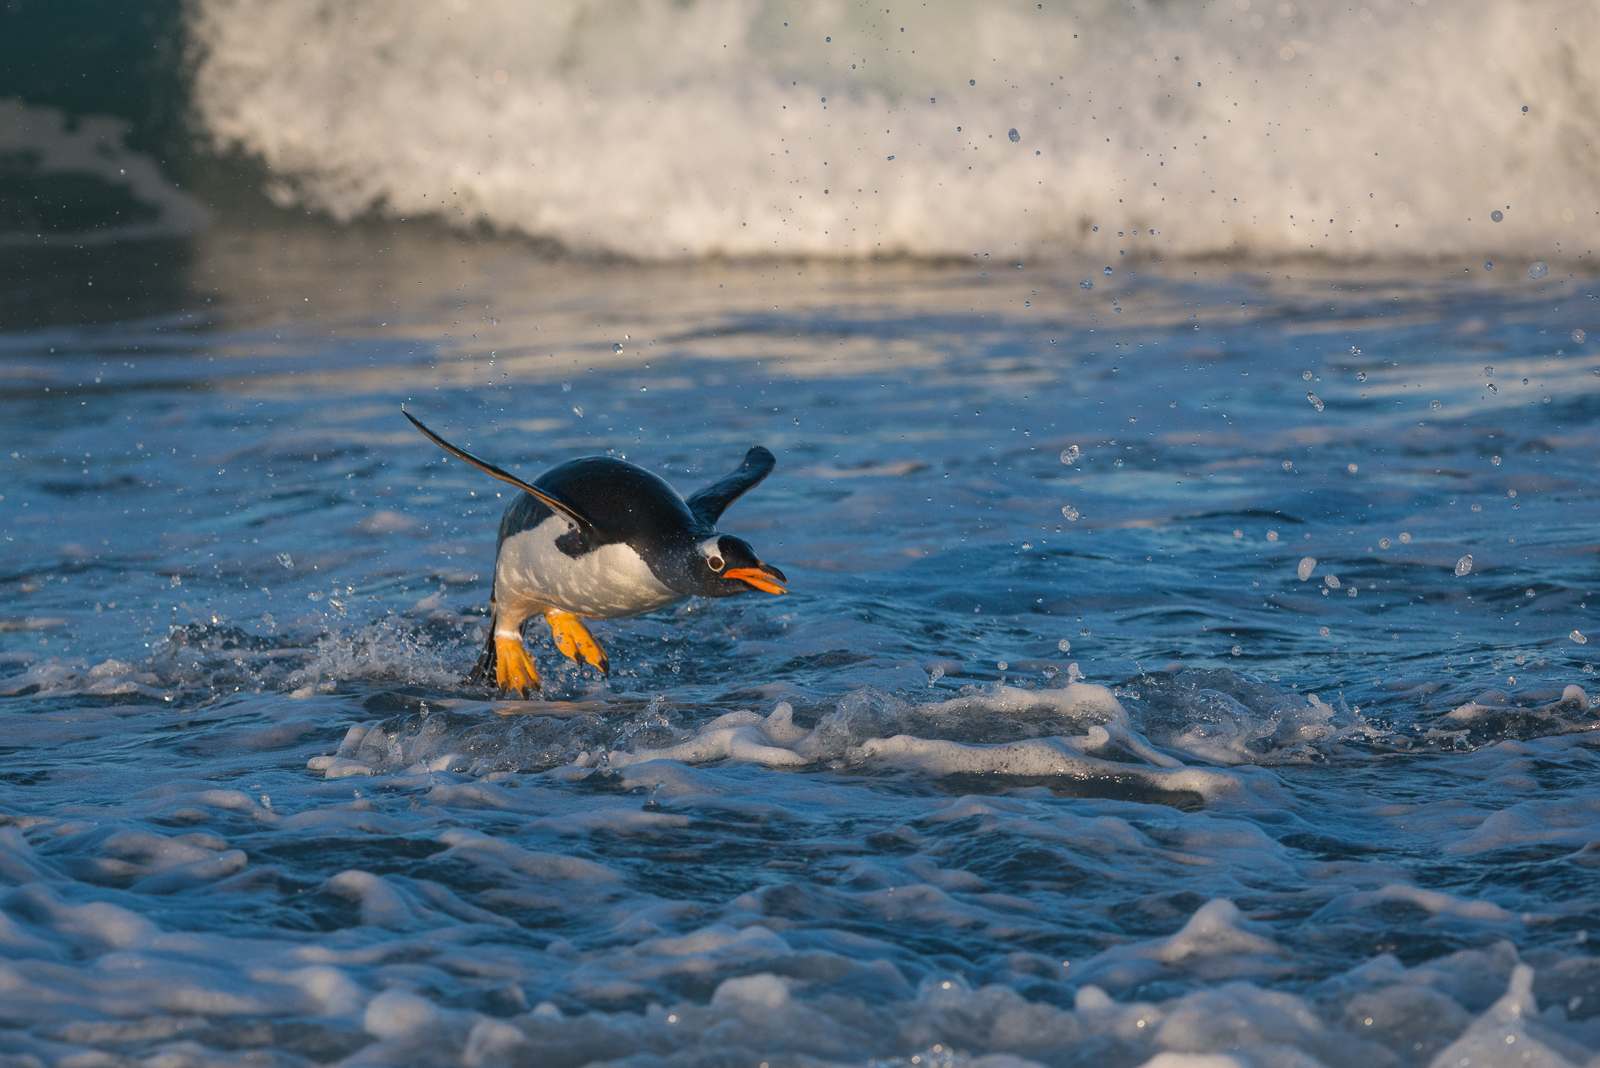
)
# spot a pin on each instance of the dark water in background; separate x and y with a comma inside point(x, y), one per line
point(250, 807)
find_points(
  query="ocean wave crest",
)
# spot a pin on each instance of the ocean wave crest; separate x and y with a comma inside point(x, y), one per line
point(755, 127)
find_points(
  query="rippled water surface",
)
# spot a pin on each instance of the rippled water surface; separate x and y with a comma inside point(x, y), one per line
point(1177, 661)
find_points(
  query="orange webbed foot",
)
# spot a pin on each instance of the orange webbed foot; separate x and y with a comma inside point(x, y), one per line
point(574, 639)
point(514, 669)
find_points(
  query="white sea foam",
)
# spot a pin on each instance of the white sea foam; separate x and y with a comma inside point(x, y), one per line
point(1178, 735)
point(1511, 1033)
point(201, 658)
point(679, 978)
point(753, 127)
point(1224, 718)
point(49, 148)
point(152, 990)
point(1217, 944)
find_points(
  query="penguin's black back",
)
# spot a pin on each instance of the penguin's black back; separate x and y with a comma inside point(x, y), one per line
point(624, 502)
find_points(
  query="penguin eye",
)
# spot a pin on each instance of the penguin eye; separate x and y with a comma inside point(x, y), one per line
point(715, 562)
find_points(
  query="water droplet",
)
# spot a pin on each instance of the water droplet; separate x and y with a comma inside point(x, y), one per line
point(1070, 512)
point(1288, 464)
point(1488, 266)
point(566, 387)
point(1361, 376)
point(1497, 215)
point(1106, 271)
point(1527, 593)
point(970, 81)
point(1001, 664)
point(1308, 564)
point(1332, 581)
point(1238, 650)
point(1323, 631)
point(1464, 565)
point(935, 675)
point(1383, 543)
point(1579, 336)
point(1272, 535)
point(1064, 645)
point(1012, 133)
point(1405, 539)
point(286, 560)
point(1578, 637)
point(1488, 372)
point(1492, 388)
point(1495, 460)
point(1352, 468)
point(1238, 533)
point(1086, 284)
point(1316, 401)
point(616, 347)
point(1069, 454)
point(1306, 375)
point(1538, 270)
point(1435, 405)
point(578, 412)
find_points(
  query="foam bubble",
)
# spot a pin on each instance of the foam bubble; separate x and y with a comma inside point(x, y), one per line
point(763, 990)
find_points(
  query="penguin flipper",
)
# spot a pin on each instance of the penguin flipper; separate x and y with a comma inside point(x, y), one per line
point(709, 503)
point(553, 503)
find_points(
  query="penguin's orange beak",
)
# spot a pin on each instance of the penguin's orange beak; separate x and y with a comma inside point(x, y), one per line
point(766, 578)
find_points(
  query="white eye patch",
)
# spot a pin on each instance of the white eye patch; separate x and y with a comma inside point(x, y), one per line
point(712, 551)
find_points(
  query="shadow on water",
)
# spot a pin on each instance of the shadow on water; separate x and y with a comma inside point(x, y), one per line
point(47, 287)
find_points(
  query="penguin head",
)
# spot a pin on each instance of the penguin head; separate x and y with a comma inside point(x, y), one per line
point(725, 565)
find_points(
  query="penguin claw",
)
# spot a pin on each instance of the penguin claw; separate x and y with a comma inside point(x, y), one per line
point(575, 641)
point(514, 670)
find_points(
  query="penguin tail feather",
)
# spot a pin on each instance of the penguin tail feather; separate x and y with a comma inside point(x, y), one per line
point(485, 671)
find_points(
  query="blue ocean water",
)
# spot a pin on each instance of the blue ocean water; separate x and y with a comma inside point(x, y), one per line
point(1179, 662)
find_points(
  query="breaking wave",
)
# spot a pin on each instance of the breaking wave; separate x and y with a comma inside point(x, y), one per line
point(755, 127)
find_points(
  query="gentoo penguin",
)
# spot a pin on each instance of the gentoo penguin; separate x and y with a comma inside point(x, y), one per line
point(600, 538)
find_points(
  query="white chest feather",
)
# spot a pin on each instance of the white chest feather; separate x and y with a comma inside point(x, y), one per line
point(531, 573)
